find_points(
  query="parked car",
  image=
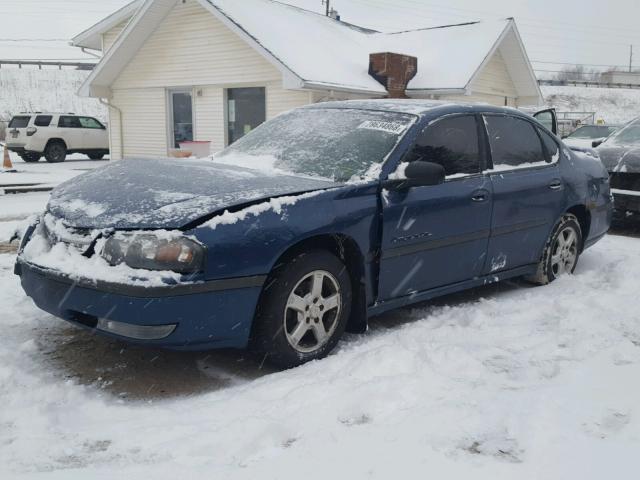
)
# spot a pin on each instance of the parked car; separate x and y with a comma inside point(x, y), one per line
point(620, 154)
point(54, 135)
point(586, 135)
point(310, 224)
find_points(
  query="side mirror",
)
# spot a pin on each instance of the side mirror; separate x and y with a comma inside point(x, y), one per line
point(418, 174)
point(596, 143)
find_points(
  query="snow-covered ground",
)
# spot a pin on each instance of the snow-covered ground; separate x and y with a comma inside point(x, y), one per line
point(509, 381)
point(613, 105)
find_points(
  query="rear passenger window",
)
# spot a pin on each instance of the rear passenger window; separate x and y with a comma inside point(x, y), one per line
point(19, 122)
point(552, 150)
point(42, 120)
point(451, 142)
point(88, 122)
point(69, 122)
point(514, 143)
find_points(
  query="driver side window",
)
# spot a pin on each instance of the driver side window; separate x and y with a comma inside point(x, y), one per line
point(451, 142)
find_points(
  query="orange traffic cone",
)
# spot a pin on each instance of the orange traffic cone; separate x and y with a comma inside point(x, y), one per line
point(6, 164)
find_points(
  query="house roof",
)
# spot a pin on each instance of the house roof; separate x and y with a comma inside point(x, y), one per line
point(318, 52)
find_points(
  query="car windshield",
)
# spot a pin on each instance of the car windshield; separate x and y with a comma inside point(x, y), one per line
point(336, 144)
point(629, 135)
point(592, 131)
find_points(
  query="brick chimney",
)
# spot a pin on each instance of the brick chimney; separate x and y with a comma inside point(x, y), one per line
point(394, 71)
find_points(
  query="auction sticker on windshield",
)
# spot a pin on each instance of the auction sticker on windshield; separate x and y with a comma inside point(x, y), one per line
point(389, 127)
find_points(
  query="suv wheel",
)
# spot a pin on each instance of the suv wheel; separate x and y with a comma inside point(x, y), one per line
point(95, 155)
point(30, 157)
point(304, 311)
point(55, 152)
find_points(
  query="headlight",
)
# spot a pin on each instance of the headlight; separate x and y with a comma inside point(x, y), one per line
point(153, 252)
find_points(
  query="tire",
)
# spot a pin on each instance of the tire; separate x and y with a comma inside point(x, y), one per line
point(294, 323)
point(31, 157)
point(561, 252)
point(95, 155)
point(55, 152)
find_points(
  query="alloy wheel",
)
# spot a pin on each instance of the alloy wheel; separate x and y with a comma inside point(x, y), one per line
point(312, 311)
point(565, 252)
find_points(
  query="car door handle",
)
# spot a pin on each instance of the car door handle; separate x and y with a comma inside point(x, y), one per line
point(480, 196)
point(555, 185)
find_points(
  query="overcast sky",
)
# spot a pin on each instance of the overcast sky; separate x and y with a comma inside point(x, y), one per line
point(569, 31)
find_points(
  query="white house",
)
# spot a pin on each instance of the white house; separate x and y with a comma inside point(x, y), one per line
point(214, 69)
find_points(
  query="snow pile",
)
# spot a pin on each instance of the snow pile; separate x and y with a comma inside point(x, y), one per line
point(509, 382)
point(613, 105)
point(52, 90)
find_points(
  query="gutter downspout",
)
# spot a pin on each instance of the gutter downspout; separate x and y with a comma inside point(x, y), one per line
point(121, 139)
point(84, 50)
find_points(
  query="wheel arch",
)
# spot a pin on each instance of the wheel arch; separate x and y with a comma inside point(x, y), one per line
point(347, 250)
point(584, 219)
point(56, 140)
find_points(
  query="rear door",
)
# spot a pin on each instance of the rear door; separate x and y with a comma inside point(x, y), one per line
point(17, 130)
point(528, 191)
point(437, 235)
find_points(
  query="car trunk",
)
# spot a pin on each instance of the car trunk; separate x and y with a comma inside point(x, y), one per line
point(17, 130)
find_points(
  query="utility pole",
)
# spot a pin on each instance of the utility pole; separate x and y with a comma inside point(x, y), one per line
point(327, 3)
point(630, 58)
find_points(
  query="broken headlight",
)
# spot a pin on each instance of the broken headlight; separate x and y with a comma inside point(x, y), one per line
point(154, 252)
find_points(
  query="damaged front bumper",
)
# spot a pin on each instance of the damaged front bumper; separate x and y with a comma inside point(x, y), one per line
point(197, 316)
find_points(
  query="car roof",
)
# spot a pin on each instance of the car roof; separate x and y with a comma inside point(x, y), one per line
point(415, 106)
point(50, 113)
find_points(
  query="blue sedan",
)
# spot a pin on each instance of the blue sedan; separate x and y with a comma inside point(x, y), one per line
point(310, 224)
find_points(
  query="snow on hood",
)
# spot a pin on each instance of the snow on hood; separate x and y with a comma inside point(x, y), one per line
point(165, 193)
point(624, 159)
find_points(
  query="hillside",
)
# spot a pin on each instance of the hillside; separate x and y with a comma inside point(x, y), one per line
point(613, 105)
point(30, 89)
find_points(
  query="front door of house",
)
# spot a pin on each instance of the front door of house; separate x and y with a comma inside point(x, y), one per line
point(246, 109)
point(181, 116)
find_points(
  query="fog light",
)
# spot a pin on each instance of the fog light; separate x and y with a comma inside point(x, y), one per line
point(138, 332)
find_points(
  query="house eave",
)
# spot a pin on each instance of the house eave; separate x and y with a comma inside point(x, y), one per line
point(327, 86)
point(92, 37)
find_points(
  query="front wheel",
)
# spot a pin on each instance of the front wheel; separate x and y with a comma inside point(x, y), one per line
point(303, 310)
point(561, 251)
point(55, 152)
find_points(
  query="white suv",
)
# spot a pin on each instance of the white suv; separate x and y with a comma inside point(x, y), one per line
point(54, 135)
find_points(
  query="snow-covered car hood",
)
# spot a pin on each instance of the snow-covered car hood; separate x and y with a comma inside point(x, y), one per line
point(165, 193)
point(624, 159)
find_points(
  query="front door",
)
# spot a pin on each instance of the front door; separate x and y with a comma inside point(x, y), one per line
point(181, 116)
point(246, 109)
point(437, 235)
point(528, 191)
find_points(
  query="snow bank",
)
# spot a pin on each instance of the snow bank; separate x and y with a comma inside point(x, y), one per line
point(613, 105)
point(509, 382)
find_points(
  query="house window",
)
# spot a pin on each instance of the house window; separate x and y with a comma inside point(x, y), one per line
point(181, 116)
point(246, 109)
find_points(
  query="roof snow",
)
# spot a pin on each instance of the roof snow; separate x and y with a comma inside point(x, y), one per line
point(319, 52)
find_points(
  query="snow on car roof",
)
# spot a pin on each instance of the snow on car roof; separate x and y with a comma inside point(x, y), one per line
point(326, 52)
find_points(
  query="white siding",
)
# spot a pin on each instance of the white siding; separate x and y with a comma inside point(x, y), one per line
point(191, 48)
point(494, 81)
point(109, 38)
point(143, 123)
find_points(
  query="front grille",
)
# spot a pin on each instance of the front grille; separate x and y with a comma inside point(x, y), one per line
point(625, 181)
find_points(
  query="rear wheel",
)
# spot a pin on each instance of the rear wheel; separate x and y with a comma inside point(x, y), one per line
point(30, 157)
point(95, 155)
point(561, 251)
point(303, 311)
point(55, 152)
